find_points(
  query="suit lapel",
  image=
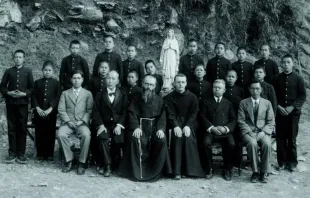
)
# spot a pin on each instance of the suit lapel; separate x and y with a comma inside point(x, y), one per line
point(221, 105)
point(107, 99)
point(250, 109)
point(117, 97)
point(80, 96)
point(260, 107)
point(72, 96)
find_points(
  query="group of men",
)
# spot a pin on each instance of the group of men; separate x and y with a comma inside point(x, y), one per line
point(144, 136)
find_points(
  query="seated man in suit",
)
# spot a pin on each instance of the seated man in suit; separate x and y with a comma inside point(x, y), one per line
point(75, 108)
point(108, 119)
point(218, 121)
point(256, 121)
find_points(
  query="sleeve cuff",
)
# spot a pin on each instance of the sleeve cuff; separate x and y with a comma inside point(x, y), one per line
point(227, 129)
point(120, 126)
point(209, 129)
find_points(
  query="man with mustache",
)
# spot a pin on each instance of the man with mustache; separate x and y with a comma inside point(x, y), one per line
point(147, 151)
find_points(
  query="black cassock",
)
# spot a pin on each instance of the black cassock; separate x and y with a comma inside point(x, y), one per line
point(146, 157)
point(182, 111)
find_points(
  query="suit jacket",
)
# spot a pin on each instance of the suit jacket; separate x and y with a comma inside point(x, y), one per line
point(70, 109)
point(68, 65)
point(107, 113)
point(269, 94)
point(221, 115)
point(265, 118)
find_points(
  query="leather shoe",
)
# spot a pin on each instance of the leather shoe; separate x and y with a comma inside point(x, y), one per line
point(177, 177)
point(107, 172)
point(67, 167)
point(209, 175)
point(254, 177)
point(292, 168)
point(281, 167)
point(81, 169)
point(263, 177)
point(227, 175)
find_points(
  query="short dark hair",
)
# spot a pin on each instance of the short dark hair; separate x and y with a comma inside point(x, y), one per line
point(219, 43)
point(133, 72)
point(149, 61)
point(265, 45)
point(180, 75)
point(192, 40)
point(232, 70)
point(259, 67)
point(132, 45)
point(241, 48)
point(288, 56)
point(74, 42)
point(255, 82)
point(108, 36)
point(48, 63)
point(77, 72)
point(20, 51)
point(198, 65)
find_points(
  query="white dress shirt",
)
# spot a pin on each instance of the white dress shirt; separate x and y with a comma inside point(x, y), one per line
point(209, 129)
point(111, 97)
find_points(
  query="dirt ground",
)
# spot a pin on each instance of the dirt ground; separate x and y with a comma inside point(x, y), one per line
point(24, 180)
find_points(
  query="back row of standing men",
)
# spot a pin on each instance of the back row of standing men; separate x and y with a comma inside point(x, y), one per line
point(287, 98)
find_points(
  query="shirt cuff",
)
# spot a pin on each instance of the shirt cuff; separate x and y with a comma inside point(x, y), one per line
point(209, 129)
point(120, 126)
point(227, 129)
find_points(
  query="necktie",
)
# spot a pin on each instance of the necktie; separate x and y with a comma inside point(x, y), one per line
point(255, 111)
point(76, 94)
point(218, 101)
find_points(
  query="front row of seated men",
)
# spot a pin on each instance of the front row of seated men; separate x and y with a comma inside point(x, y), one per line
point(140, 130)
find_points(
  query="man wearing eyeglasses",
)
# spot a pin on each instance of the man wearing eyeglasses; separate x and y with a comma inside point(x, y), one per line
point(256, 121)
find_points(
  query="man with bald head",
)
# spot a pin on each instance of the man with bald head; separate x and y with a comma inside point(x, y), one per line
point(146, 154)
point(218, 120)
point(109, 116)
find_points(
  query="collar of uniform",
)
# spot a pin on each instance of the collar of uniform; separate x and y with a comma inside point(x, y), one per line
point(18, 68)
point(230, 86)
point(74, 55)
point(130, 60)
point(253, 101)
point(239, 61)
point(132, 86)
point(199, 81)
point(105, 51)
point(111, 90)
point(288, 73)
point(191, 54)
point(219, 57)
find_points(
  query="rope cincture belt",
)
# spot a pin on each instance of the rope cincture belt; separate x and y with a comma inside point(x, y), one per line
point(139, 143)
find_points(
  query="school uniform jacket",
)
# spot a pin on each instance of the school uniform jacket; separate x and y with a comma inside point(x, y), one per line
point(46, 94)
point(17, 79)
point(217, 68)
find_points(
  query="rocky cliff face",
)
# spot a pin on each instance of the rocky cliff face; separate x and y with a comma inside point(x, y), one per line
point(44, 28)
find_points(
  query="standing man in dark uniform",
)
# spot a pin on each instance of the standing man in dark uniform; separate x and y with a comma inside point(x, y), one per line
point(291, 94)
point(268, 91)
point(16, 87)
point(218, 66)
point(244, 70)
point(271, 66)
point(182, 109)
point(132, 64)
point(111, 57)
point(200, 87)
point(189, 61)
point(219, 121)
point(72, 63)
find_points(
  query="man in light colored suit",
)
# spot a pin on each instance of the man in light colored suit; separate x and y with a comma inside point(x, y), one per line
point(256, 121)
point(75, 108)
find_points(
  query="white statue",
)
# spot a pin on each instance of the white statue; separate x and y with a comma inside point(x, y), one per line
point(169, 60)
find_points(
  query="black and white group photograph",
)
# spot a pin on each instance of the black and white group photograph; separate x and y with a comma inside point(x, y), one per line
point(154, 98)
